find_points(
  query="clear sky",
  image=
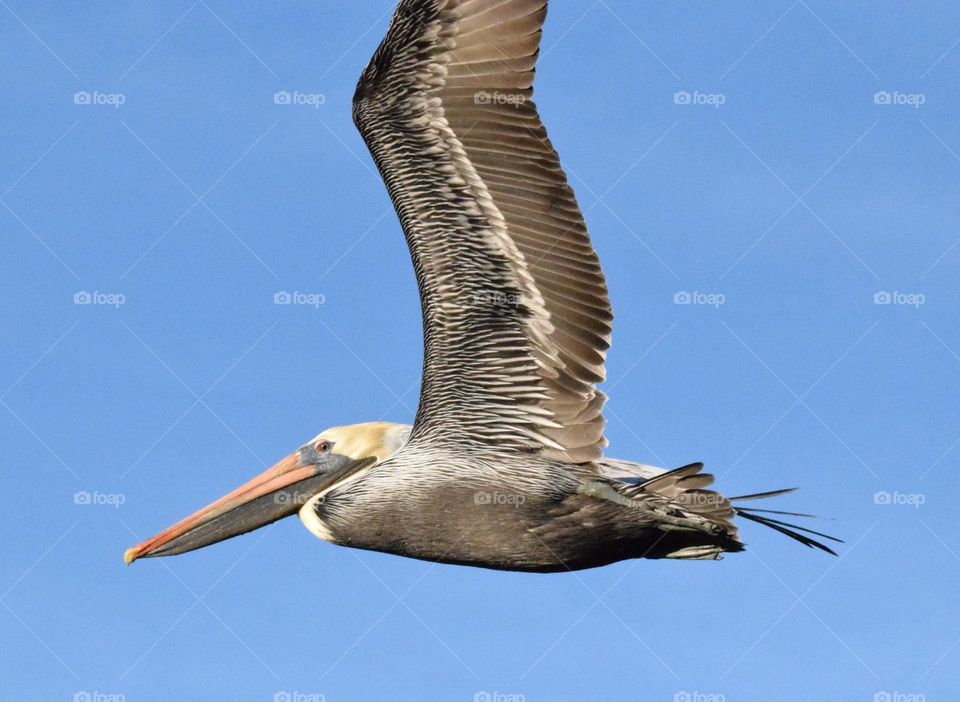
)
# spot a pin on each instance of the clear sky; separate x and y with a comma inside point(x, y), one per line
point(782, 196)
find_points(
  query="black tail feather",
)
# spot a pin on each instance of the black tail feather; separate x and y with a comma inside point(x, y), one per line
point(794, 526)
point(789, 514)
point(791, 530)
point(674, 481)
point(763, 495)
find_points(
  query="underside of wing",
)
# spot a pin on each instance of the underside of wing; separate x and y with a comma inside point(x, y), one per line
point(517, 319)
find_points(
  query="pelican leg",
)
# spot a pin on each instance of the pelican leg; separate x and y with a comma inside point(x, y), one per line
point(664, 520)
point(698, 553)
point(668, 522)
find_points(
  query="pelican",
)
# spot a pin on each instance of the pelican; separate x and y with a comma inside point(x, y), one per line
point(503, 466)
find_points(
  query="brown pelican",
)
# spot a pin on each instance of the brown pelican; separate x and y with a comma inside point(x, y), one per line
point(503, 467)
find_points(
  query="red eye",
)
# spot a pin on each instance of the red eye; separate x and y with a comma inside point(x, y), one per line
point(322, 447)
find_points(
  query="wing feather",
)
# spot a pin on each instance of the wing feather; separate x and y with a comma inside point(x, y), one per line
point(517, 319)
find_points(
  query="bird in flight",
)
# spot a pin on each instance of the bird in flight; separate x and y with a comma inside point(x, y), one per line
point(503, 466)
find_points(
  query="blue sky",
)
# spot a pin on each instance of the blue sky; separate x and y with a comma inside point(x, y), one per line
point(802, 192)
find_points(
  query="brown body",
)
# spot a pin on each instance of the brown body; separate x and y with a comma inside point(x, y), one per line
point(551, 535)
point(475, 513)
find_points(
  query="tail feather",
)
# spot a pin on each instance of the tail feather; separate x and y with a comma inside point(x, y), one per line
point(791, 530)
point(751, 513)
point(789, 514)
point(764, 495)
point(786, 528)
point(683, 489)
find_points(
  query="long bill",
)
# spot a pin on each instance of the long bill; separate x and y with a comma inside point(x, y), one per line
point(277, 493)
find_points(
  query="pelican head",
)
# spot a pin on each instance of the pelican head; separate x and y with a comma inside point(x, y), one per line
point(281, 490)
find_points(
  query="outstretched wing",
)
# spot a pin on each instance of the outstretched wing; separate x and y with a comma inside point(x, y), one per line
point(516, 315)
